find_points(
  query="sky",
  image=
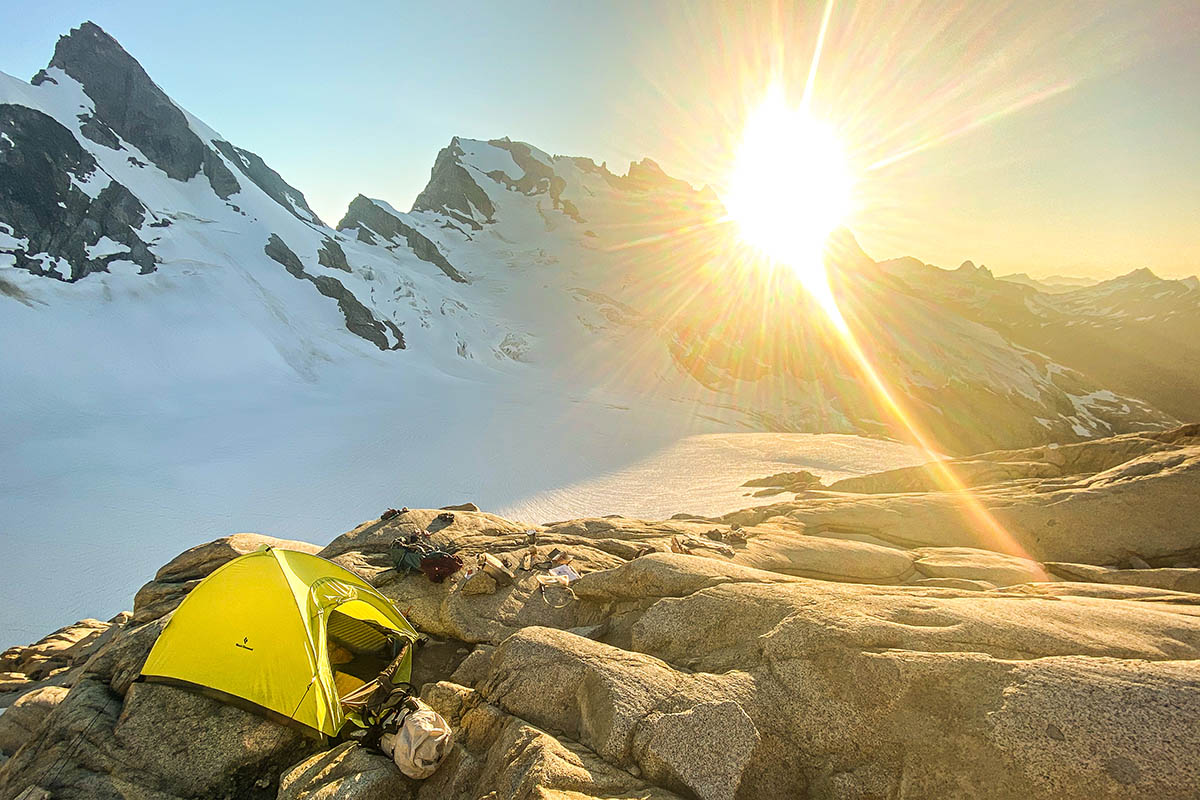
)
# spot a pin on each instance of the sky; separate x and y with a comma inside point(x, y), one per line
point(1027, 136)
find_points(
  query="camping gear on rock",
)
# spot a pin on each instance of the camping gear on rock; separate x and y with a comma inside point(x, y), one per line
point(373, 699)
point(440, 565)
point(497, 568)
point(260, 630)
point(565, 573)
point(410, 554)
point(415, 736)
point(389, 514)
point(562, 575)
point(420, 740)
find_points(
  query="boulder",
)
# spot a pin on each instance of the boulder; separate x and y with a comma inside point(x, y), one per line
point(667, 575)
point(793, 553)
point(1146, 508)
point(66, 647)
point(120, 661)
point(1175, 579)
point(972, 564)
point(347, 772)
point(158, 742)
point(497, 755)
point(702, 751)
point(23, 717)
point(479, 583)
point(596, 694)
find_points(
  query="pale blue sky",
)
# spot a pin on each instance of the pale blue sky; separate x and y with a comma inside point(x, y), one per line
point(359, 97)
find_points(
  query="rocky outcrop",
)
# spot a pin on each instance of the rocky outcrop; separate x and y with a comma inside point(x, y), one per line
point(1082, 518)
point(43, 204)
point(758, 655)
point(158, 741)
point(21, 719)
point(359, 319)
point(267, 179)
point(365, 215)
point(1173, 579)
point(223, 183)
point(332, 255)
point(1050, 461)
point(782, 482)
point(344, 772)
point(646, 176)
point(54, 659)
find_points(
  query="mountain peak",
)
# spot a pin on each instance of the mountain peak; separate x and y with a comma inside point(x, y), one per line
point(127, 100)
point(969, 268)
point(1142, 275)
point(88, 37)
point(647, 174)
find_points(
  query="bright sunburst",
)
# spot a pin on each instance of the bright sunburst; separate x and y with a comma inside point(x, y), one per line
point(791, 186)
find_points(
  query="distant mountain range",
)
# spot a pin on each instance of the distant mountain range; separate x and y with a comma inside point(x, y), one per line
point(1050, 283)
point(124, 218)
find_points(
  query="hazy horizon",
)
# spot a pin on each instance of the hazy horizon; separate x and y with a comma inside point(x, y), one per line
point(1029, 140)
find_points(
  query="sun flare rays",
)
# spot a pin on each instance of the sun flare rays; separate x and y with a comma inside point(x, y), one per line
point(791, 185)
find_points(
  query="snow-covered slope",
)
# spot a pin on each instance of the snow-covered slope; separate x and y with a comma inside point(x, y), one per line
point(125, 218)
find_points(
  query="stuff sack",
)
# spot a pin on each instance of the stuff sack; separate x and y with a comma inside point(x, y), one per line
point(439, 565)
point(421, 742)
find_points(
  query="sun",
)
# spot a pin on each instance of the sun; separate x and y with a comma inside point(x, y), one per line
point(790, 187)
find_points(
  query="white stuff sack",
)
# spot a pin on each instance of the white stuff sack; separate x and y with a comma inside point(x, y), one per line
point(421, 744)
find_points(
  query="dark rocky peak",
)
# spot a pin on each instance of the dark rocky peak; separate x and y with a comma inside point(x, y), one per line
point(452, 191)
point(646, 175)
point(127, 101)
point(372, 220)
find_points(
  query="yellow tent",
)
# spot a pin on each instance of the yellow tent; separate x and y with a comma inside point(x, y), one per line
point(259, 629)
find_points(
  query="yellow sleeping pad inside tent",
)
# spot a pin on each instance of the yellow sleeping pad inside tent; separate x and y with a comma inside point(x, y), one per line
point(258, 630)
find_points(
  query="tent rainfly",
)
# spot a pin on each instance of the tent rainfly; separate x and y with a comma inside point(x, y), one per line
point(260, 630)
